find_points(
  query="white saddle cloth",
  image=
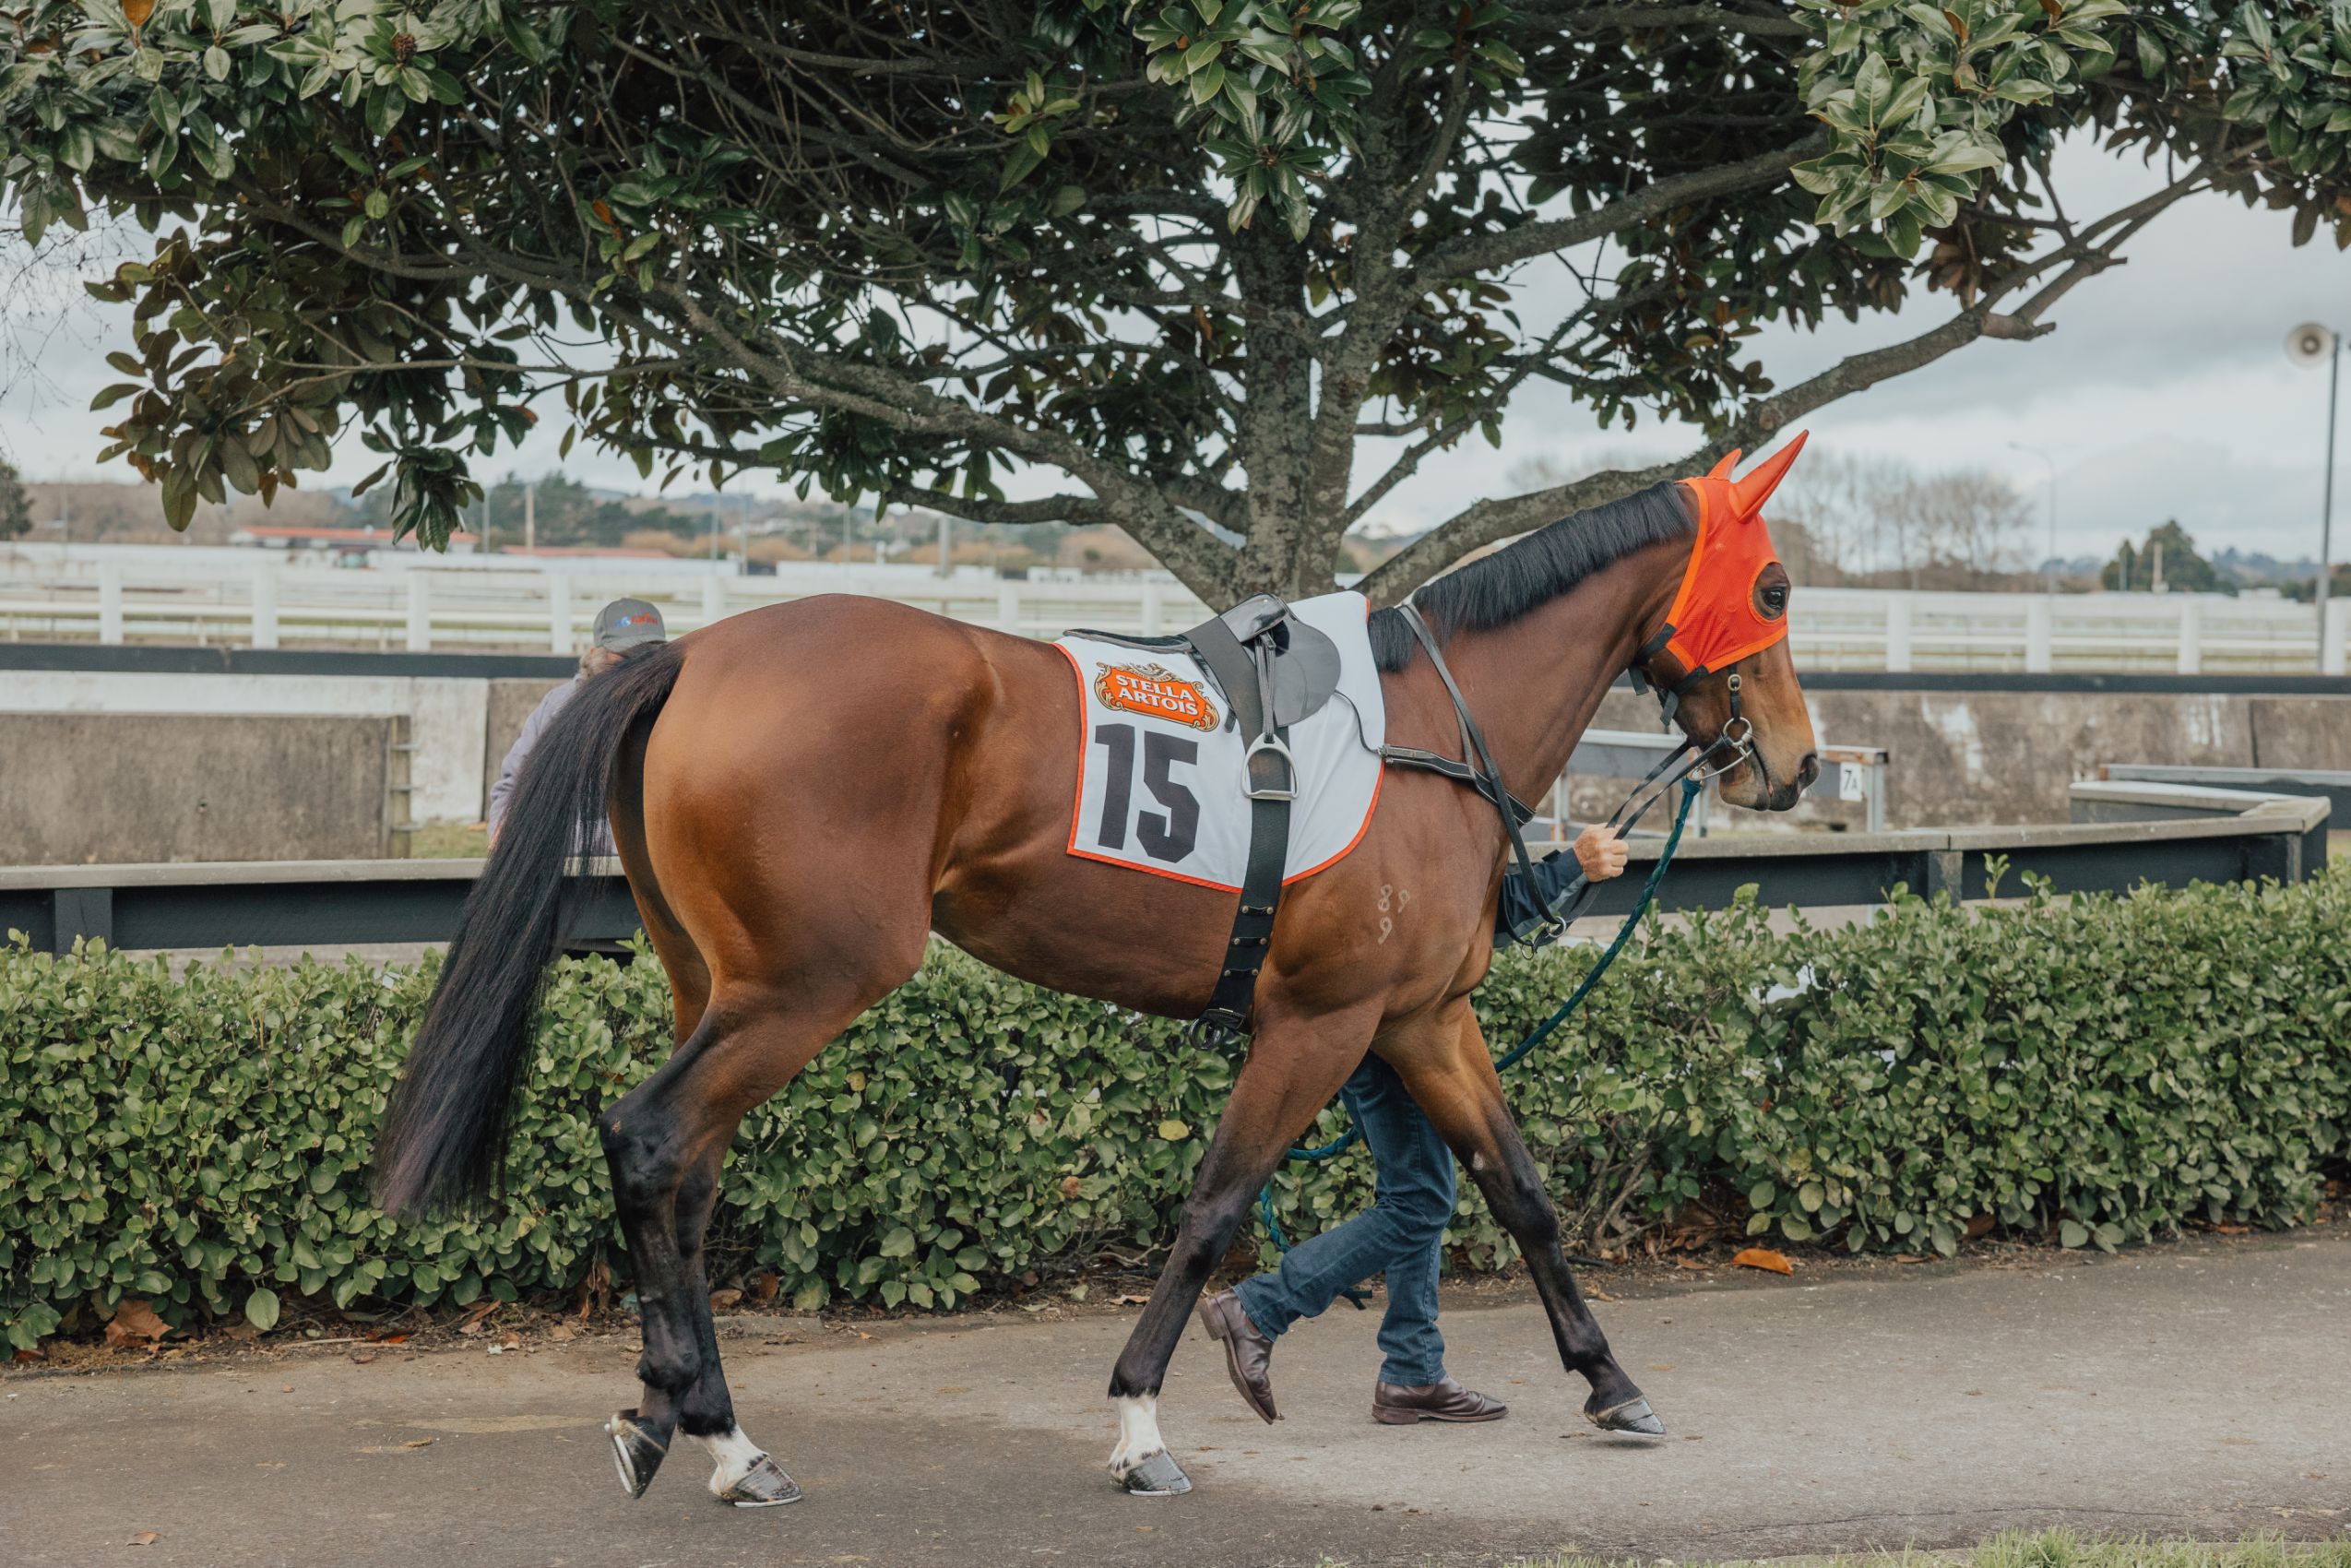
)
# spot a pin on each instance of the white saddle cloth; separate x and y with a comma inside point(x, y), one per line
point(1162, 775)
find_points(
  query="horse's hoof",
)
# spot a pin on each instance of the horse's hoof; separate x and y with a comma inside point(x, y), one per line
point(1633, 1418)
point(637, 1452)
point(1157, 1475)
point(764, 1485)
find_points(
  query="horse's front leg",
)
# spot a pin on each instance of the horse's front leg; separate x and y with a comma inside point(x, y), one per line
point(1293, 1069)
point(1443, 1061)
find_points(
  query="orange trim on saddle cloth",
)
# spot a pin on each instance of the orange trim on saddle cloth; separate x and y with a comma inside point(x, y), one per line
point(1714, 622)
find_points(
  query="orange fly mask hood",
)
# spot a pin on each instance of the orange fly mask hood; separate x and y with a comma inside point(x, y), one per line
point(1716, 619)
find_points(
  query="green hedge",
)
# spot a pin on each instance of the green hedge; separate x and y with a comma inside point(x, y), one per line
point(2095, 1069)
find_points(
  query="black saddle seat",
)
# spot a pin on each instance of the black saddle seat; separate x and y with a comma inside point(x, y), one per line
point(1305, 662)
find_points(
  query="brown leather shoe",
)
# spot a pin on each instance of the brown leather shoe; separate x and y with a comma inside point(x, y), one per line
point(1446, 1401)
point(1248, 1351)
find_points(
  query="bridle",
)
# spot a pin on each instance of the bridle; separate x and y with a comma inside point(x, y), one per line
point(1688, 764)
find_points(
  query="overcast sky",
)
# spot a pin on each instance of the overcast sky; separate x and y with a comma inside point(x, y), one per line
point(2165, 391)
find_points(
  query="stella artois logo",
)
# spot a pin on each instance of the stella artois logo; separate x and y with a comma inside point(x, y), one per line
point(1155, 692)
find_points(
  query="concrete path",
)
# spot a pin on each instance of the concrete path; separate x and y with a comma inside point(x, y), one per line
point(2202, 1389)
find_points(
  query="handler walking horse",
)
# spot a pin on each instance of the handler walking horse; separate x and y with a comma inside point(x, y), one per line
point(802, 793)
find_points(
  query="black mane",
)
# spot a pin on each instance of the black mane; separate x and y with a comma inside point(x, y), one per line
point(1501, 587)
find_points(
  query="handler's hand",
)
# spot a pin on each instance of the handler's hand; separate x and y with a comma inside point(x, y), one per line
point(1600, 853)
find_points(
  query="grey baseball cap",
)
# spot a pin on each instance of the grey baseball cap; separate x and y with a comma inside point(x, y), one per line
point(629, 622)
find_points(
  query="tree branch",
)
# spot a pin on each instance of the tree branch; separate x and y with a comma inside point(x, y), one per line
point(1491, 519)
point(1084, 509)
point(1482, 252)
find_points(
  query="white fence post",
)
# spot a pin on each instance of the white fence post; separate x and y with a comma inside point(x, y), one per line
point(1008, 606)
point(1897, 630)
point(420, 612)
point(2191, 638)
point(1154, 607)
point(110, 604)
point(2039, 645)
point(265, 605)
point(559, 613)
point(2334, 636)
point(714, 598)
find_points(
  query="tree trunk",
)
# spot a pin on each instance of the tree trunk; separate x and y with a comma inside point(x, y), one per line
point(1287, 550)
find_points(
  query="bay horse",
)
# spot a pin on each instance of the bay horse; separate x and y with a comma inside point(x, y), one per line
point(802, 794)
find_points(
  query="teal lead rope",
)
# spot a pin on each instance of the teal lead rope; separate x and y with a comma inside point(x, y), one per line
point(1691, 788)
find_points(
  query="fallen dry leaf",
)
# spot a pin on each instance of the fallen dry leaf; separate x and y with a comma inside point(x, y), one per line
point(725, 1301)
point(145, 1538)
point(25, 1358)
point(1069, 1186)
point(1134, 1302)
point(473, 1319)
point(761, 1288)
point(562, 1331)
point(386, 1338)
point(1692, 1265)
point(1909, 1258)
point(420, 1443)
point(1979, 1226)
point(1765, 1259)
point(2231, 1229)
point(135, 1322)
point(361, 1357)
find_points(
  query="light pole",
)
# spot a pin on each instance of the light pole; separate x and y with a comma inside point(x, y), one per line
point(2049, 568)
point(2306, 346)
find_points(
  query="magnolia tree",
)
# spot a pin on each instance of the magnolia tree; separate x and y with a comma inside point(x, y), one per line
point(1225, 273)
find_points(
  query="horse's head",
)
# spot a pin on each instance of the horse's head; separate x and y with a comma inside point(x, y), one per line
point(1722, 653)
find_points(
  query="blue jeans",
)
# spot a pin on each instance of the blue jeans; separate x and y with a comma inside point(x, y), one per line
point(1412, 1202)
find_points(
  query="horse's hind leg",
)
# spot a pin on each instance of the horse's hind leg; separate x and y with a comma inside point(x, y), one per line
point(743, 1474)
point(664, 1142)
point(1443, 1061)
point(1292, 1071)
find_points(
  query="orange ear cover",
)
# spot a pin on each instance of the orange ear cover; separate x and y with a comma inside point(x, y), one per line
point(1713, 622)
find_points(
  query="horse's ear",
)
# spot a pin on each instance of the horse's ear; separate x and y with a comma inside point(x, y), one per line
point(1754, 489)
point(1727, 467)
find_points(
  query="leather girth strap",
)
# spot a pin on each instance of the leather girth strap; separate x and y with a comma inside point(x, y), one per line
point(1476, 767)
point(1243, 670)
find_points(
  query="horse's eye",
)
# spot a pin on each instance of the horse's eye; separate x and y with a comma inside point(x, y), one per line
point(1774, 601)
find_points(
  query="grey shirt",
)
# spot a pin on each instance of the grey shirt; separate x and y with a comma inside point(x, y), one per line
point(502, 792)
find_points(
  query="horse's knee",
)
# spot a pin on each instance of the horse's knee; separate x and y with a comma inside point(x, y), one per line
point(1525, 1210)
point(641, 1155)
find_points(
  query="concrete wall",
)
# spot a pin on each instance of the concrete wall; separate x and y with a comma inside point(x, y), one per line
point(447, 719)
point(509, 704)
point(118, 786)
point(1957, 757)
point(1974, 758)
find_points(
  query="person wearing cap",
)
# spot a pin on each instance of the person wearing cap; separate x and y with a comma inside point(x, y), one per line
point(622, 627)
point(1412, 1202)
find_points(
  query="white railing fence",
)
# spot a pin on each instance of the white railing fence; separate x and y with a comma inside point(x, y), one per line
point(256, 599)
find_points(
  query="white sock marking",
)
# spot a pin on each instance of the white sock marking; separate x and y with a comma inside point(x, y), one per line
point(735, 1455)
point(1138, 1432)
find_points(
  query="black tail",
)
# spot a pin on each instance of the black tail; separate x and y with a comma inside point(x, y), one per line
point(445, 1137)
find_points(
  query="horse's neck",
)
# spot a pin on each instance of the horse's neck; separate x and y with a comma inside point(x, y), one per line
point(1536, 684)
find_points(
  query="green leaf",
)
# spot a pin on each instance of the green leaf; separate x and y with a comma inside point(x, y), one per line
point(261, 1308)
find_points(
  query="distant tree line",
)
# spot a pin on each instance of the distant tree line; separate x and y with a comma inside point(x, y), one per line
point(15, 506)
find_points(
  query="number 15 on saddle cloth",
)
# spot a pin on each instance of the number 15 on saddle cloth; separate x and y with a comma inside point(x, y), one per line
point(1162, 773)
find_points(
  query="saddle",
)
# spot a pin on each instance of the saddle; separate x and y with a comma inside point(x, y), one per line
point(1273, 671)
point(1303, 664)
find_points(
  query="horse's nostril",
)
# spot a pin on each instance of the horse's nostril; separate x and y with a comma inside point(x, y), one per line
point(1811, 771)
